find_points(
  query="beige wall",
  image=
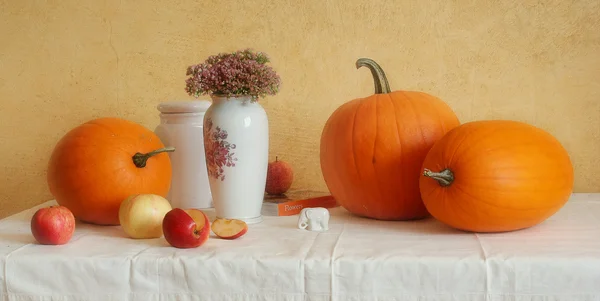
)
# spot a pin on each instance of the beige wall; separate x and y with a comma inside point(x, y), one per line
point(65, 62)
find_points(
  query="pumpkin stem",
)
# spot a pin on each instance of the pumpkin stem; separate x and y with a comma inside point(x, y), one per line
point(445, 177)
point(381, 83)
point(140, 159)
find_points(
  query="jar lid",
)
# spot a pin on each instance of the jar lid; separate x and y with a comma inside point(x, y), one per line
point(185, 106)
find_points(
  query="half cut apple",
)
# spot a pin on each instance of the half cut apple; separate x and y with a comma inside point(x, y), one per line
point(186, 228)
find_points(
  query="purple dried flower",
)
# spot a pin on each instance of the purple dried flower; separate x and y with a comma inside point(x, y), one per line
point(242, 72)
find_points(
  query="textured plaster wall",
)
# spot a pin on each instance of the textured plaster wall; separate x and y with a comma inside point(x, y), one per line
point(65, 62)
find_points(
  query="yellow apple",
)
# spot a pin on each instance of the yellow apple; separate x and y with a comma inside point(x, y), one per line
point(141, 215)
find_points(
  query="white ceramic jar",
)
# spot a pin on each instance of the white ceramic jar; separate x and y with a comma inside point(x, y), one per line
point(181, 126)
point(236, 137)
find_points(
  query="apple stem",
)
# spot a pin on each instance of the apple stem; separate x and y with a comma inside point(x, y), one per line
point(275, 158)
point(140, 159)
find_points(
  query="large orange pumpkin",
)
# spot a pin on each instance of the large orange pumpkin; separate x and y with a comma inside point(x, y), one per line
point(98, 164)
point(496, 176)
point(372, 149)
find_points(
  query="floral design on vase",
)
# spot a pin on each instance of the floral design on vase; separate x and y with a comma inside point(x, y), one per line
point(218, 151)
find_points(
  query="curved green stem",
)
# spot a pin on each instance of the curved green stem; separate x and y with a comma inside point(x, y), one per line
point(445, 177)
point(140, 159)
point(381, 83)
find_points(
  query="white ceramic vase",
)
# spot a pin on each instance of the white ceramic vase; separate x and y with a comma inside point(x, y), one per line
point(180, 126)
point(236, 143)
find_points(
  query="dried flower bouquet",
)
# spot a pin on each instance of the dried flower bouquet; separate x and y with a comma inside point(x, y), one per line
point(243, 72)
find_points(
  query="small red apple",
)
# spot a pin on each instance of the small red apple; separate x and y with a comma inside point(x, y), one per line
point(229, 228)
point(279, 177)
point(53, 225)
point(186, 228)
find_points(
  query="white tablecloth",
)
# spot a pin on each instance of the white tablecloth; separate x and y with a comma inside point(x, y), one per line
point(357, 259)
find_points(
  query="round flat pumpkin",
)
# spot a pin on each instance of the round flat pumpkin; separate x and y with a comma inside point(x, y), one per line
point(372, 149)
point(496, 176)
point(100, 163)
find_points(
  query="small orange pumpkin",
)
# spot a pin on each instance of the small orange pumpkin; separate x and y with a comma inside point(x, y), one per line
point(496, 176)
point(100, 163)
point(372, 149)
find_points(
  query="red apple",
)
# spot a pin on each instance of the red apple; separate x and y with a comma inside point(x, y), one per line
point(188, 228)
point(279, 177)
point(229, 228)
point(53, 225)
